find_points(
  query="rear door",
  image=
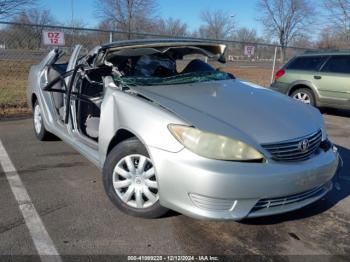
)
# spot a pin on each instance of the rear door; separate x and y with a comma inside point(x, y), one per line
point(73, 60)
point(304, 68)
point(333, 81)
point(69, 104)
point(51, 58)
point(48, 99)
point(57, 80)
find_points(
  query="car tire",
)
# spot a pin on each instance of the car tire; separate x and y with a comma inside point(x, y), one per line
point(130, 181)
point(304, 95)
point(39, 128)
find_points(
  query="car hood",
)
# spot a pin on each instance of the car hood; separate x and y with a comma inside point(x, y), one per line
point(237, 109)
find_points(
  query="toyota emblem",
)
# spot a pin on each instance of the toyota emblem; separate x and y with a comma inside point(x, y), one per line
point(304, 145)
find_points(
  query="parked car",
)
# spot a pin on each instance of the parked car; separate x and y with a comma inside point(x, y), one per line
point(321, 79)
point(192, 139)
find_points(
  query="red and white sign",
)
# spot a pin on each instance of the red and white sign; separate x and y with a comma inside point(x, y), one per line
point(55, 38)
point(249, 50)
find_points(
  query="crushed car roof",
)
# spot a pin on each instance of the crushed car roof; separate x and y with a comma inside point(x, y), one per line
point(160, 42)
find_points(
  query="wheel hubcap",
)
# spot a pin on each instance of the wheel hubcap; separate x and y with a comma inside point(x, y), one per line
point(302, 97)
point(37, 119)
point(135, 182)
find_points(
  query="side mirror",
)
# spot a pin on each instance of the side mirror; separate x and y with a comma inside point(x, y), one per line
point(222, 58)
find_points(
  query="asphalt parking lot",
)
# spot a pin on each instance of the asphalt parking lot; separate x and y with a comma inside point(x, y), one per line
point(68, 195)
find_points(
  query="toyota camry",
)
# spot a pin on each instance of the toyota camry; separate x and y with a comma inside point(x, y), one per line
point(170, 131)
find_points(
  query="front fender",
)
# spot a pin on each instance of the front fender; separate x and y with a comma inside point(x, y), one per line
point(146, 120)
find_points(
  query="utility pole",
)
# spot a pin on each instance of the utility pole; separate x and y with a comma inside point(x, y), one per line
point(72, 21)
point(274, 65)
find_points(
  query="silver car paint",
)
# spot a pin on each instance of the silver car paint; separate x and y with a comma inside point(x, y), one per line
point(232, 108)
point(36, 81)
point(245, 183)
point(148, 122)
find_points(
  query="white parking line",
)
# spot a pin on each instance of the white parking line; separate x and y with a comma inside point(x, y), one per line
point(41, 239)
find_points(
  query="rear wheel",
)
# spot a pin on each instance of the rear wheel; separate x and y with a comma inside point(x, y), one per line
point(39, 128)
point(304, 95)
point(130, 181)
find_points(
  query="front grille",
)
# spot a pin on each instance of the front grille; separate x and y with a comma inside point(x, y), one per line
point(283, 201)
point(293, 150)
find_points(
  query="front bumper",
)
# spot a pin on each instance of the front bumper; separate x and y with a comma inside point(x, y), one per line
point(280, 87)
point(212, 189)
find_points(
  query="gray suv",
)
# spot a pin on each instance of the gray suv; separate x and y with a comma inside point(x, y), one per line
point(321, 79)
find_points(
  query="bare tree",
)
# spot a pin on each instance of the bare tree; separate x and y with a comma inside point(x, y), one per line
point(172, 27)
point(217, 25)
point(331, 39)
point(35, 16)
point(9, 8)
point(30, 36)
point(247, 35)
point(327, 39)
point(303, 41)
point(127, 15)
point(76, 35)
point(286, 19)
point(76, 23)
point(339, 16)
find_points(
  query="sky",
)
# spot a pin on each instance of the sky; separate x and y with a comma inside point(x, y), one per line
point(186, 10)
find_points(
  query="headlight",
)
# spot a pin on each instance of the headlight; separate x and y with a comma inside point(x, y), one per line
point(214, 146)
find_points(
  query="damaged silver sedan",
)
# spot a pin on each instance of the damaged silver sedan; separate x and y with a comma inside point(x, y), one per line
point(169, 131)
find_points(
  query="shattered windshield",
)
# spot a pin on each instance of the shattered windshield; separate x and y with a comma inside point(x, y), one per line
point(186, 78)
point(169, 66)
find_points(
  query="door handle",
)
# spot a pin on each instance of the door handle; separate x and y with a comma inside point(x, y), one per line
point(318, 77)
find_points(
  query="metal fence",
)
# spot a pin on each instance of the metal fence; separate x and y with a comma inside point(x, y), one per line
point(21, 45)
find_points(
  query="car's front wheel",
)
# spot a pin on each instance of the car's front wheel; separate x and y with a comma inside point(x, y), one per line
point(39, 128)
point(130, 181)
point(304, 95)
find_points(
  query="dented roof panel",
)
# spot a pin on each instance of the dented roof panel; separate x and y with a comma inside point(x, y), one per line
point(158, 43)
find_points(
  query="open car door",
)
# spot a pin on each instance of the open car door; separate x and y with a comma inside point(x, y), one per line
point(78, 97)
point(46, 68)
point(58, 79)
